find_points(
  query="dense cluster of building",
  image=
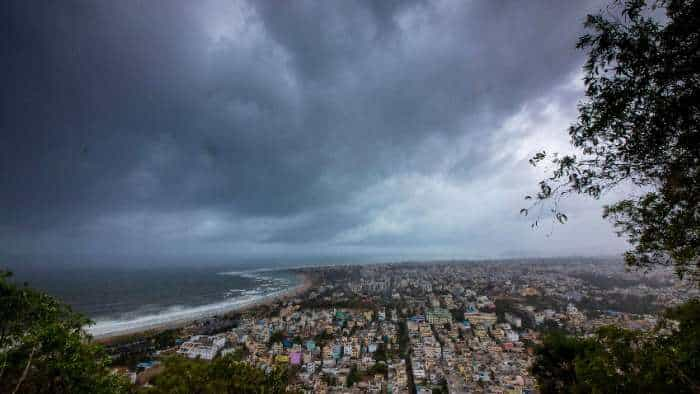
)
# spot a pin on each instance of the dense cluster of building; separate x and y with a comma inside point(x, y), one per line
point(453, 328)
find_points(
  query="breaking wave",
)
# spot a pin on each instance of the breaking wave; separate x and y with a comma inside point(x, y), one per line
point(181, 314)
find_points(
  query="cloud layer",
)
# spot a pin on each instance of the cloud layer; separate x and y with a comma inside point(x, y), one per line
point(287, 128)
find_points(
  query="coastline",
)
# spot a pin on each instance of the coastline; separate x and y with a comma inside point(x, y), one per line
point(131, 328)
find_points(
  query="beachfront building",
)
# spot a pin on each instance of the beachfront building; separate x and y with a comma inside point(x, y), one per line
point(203, 346)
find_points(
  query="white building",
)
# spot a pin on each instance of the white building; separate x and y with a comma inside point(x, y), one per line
point(203, 346)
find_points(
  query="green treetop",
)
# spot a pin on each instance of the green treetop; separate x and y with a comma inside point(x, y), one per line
point(43, 348)
point(639, 126)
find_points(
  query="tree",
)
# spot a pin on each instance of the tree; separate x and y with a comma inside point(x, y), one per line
point(380, 354)
point(277, 336)
point(625, 361)
point(353, 377)
point(43, 348)
point(223, 375)
point(554, 366)
point(379, 368)
point(639, 126)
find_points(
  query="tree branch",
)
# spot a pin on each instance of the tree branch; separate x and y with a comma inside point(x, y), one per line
point(26, 370)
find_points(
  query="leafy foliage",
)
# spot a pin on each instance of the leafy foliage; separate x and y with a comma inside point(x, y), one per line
point(353, 377)
point(381, 353)
point(277, 336)
point(223, 375)
point(625, 361)
point(378, 369)
point(43, 348)
point(554, 367)
point(639, 126)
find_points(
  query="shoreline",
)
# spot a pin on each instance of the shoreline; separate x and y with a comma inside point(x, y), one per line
point(132, 328)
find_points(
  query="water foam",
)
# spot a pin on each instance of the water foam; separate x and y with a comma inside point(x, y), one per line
point(177, 315)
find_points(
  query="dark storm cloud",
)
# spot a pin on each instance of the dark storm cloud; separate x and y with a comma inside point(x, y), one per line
point(261, 122)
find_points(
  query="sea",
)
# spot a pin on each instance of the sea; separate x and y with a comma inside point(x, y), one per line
point(122, 300)
point(126, 295)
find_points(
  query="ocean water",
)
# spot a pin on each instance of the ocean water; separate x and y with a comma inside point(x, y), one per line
point(122, 300)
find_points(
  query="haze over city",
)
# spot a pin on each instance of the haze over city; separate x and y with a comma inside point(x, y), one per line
point(234, 129)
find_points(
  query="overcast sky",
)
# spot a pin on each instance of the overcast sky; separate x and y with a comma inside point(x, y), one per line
point(287, 128)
